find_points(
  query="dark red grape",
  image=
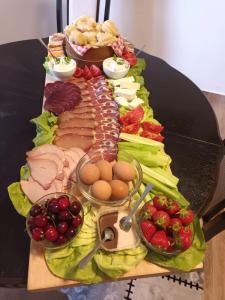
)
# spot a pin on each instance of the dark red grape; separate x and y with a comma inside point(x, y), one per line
point(75, 207)
point(64, 202)
point(76, 221)
point(62, 227)
point(38, 234)
point(40, 221)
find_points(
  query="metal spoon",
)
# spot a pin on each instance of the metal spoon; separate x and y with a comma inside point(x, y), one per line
point(108, 236)
point(126, 222)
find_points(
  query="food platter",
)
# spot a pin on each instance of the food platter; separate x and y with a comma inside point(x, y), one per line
point(90, 112)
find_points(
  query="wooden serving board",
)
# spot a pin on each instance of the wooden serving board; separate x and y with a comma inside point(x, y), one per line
point(40, 278)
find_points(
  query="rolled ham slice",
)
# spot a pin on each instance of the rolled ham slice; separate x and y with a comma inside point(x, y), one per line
point(72, 140)
point(43, 171)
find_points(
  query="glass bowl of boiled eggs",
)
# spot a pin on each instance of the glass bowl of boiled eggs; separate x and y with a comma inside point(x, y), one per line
point(106, 181)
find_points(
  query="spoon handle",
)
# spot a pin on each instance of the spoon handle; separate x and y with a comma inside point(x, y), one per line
point(148, 188)
point(89, 256)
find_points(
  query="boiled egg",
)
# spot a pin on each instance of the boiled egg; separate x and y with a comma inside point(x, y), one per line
point(119, 189)
point(89, 173)
point(124, 171)
point(101, 190)
point(105, 169)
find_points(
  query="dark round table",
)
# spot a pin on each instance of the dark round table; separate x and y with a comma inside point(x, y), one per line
point(191, 138)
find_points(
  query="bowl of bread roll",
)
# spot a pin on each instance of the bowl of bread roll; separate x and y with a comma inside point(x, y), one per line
point(88, 42)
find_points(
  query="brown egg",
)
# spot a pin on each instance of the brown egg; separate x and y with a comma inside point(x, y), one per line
point(119, 189)
point(101, 190)
point(124, 170)
point(105, 169)
point(89, 173)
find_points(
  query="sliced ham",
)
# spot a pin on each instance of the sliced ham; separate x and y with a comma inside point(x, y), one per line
point(34, 191)
point(53, 157)
point(47, 148)
point(72, 140)
point(79, 151)
point(43, 171)
point(76, 122)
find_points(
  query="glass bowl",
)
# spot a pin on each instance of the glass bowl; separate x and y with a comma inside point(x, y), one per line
point(174, 252)
point(93, 157)
point(53, 219)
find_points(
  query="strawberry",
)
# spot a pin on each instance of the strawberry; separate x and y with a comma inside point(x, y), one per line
point(160, 240)
point(171, 247)
point(148, 229)
point(79, 73)
point(186, 216)
point(173, 207)
point(186, 231)
point(160, 202)
point(161, 218)
point(95, 71)
point(175, 225)
point(183, 241)
point(148, 211)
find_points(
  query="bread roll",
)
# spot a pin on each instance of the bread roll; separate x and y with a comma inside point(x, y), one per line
point(109, 27)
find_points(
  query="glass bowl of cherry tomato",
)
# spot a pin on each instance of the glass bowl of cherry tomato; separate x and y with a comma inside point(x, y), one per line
point(165, 226)
point(55, 220)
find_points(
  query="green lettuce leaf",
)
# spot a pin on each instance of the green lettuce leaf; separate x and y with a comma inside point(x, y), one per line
point(24, 172)
point(19, 200)
point(116, 264)
point(46, 125)
point(138, 68)
point(187, 260)
point(139, 79)
point(144, 94)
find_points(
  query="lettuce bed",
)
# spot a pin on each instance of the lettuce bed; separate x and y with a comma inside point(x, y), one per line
point(64, 262)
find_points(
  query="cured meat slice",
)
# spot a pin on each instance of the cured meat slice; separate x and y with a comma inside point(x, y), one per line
point(79, 151)
point(76, 122)
point(72, 140)
point(53, 157)
point(85, 104)
point(47, 148)
point(75, 130)
point(43, 171)
point(67, 115)
point(81, 110)
point(61, 97)
point(34, 191)
point(105, 144)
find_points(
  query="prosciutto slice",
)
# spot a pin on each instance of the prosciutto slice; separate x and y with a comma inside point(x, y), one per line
point(76, 122)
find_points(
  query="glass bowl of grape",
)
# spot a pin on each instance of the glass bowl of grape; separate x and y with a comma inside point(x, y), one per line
point(55, 220)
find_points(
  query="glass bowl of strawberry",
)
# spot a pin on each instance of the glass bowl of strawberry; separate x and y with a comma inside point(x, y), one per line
point(55, 220)
point(165, 226)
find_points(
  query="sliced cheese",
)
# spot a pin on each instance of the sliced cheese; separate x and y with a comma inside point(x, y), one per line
point(130, 85)
point(122, 101)
point(134, 103)
point(117, 82)
point(129, 94)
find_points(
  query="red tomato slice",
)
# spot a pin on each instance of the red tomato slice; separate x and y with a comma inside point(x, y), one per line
point(148, 126)
point(153, 136)
point(79, 73)
point(95, 71)
point(132, 128)
point(134, 116)
point(87, 73)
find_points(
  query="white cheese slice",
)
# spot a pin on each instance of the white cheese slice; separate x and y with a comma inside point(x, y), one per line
point(122, 101)
point(117, 82)
point(130, 85)
point(134, 103)
point(129, 94)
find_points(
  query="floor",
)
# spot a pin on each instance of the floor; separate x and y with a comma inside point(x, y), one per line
point(167, 288)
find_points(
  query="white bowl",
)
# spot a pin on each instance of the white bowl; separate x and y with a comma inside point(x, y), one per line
point(115, 74)
point(64, 74)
